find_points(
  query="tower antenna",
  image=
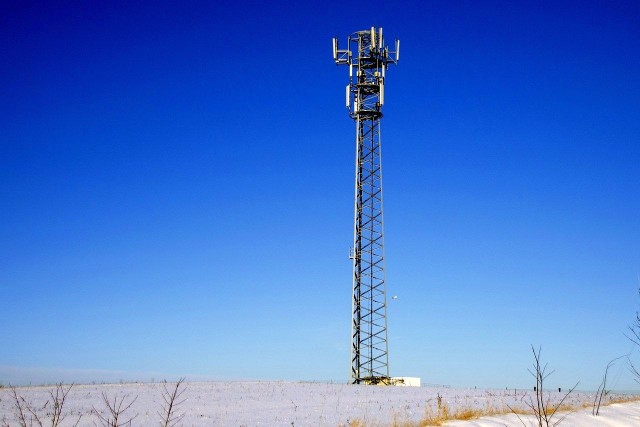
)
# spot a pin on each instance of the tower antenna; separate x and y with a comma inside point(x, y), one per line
point(368, 59)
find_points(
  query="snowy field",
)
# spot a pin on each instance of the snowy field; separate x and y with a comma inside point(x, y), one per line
point(302, 404)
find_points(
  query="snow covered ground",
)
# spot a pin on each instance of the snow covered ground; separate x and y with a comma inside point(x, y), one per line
point(302, 404)
point(618, 415)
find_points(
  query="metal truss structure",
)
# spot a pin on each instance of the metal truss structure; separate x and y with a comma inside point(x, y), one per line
point(368, 59)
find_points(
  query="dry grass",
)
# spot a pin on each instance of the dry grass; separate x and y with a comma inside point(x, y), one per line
point(444, 414)
point(622, 399)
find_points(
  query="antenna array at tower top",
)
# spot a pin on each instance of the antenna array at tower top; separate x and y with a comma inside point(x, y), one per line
point(368, 59)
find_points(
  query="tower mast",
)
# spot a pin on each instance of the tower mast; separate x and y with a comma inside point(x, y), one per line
point(368, 59)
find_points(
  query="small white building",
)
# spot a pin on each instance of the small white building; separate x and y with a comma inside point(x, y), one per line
point(406, 381)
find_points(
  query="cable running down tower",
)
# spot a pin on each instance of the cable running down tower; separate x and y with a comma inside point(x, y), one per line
point(368, 59)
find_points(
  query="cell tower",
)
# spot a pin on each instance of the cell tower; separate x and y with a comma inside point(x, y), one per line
point(364, 100)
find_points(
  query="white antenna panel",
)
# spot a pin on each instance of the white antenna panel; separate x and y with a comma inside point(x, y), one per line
point(381, 93)
point(335, 48)
point(373, 37)
point(348, 87)
point(380, 38)
point(397, 49)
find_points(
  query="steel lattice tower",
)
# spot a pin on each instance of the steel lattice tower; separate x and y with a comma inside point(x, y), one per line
point(368, 58)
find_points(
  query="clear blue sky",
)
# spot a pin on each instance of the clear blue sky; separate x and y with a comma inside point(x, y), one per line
point(176, 189)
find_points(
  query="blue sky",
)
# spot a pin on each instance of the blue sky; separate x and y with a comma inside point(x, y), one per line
point(176, 190)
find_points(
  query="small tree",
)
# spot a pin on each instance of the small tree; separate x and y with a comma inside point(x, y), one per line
point(542, 408)
point(634, 337)
point(602, 388)
point(114, 413)
point(28, 415)
point(172, 398)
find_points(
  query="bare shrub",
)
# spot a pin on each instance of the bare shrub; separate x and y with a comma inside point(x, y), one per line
point(113, 414)
point(634, 371)
point(20, 407)
point(634, 337)
point(542, 408)
point(602, 388)
point(58, 399)
point(29, 416)
point(172, 398)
